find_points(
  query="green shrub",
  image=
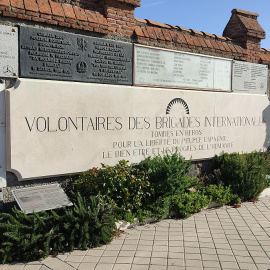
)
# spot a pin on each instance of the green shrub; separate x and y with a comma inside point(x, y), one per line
point(244, 173)
point(168, 174)
point(126, 186)
point(88, 223)
point(183, 205)
point(220, 194)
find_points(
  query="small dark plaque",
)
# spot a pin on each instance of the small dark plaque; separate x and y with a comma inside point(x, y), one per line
point(62, 56)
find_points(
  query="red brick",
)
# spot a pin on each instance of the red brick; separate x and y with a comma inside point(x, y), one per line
point(48, 17)
point(153, 23)
point(44, 6)
point(220, 45)
point(151, 32)
point(166, 33)
point(64, 24)
point(76, 26)
point(189, 40)
point(17, 4)
point(72, 21)
point(79, 13)
point(138, 31)
point(227, 48)
point(101, 19)
point(214, 44)
point(31, 13)
point(58, 18)
point(68, 11)
point(38, 19)
point(232, 48)
point(5, 3)
point(18, 10)
point(56, 8)
point(51, 22)
point(196, 41)
point(87, 28)
point(140, 20)
point(159, 33)
point(202, 42)
point(91, 16)
point(5, 8)
point(9, 14)
point(31, 5)
point(208, 43)
point(24, 17)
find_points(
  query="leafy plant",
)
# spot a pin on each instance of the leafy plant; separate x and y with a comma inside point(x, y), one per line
point(246, 174)
point(220, 194)
point(126, 186)
point(88, 223)
point(168, 174)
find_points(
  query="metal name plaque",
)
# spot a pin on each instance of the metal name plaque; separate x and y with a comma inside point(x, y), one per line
point(8, 51)
point(157, 67)
point(68, 57)
point(39, 198)
point(249, 78)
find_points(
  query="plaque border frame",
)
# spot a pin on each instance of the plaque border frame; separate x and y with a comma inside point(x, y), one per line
point(181, 87)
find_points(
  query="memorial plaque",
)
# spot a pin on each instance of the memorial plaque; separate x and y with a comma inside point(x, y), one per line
point(250, 78)
point(38, 198)
point(159, 67)
point(68, 127)
point(8, 51)
point(63, 56)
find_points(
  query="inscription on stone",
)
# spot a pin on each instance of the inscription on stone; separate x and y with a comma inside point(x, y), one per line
point(8, 51)
point(84, 125)
point(249, 78)
point(63, 56)
point(171, 68)
point(35, 199)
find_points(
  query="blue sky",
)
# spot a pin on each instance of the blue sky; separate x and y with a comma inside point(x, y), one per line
point(210, 16)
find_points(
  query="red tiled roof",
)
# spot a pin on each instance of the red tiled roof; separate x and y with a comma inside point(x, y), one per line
point(190, 39)
point(51, 12)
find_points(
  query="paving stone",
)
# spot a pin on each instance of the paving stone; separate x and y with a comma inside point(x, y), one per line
point(248, 266)
point(18, 266)
point(211, 264)
point(158, 261)
point(86, 266)
point(104, 266)
point(125, 260)
point(139, 267)
point(129, 247)
point(141, 260)
point(193, 256)
point(157, 267)
point(56, 264)
point(176, 262)
point(122, 267)
point(159, 254)
point(126, 253)
point(193, 263)
point(74, 258)
point(109, 260)
point(32, 267)
point(143, 254)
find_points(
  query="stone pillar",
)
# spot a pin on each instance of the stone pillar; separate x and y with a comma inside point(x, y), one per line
point(120, 15)
point(244, 29)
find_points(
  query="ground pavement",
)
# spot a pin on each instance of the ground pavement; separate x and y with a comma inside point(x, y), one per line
point(225, 238)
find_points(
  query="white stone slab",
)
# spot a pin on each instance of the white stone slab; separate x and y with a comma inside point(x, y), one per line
point(62, 127)
point(8, 51)
point(250, 78)
point(159, 67)
point(38, 198)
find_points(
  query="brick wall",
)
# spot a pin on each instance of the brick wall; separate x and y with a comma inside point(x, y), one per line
point(241, 38)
